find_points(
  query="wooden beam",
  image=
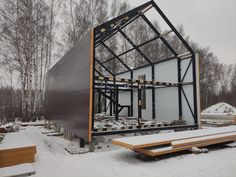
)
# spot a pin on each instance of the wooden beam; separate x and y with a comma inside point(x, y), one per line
point(170, 149)
point(139, 142)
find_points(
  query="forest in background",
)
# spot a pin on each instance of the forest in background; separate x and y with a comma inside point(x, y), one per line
point(34, 34)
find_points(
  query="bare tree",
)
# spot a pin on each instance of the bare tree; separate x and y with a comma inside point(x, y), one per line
point(79, 17)
point(27, 38)
point(223, 75)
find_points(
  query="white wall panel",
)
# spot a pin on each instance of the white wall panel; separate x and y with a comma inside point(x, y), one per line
point(147, 71)
point(166, 71)
point(189, 74)
point(167, 108)
point(167, 104)
point(187, 116)
point(124, 99)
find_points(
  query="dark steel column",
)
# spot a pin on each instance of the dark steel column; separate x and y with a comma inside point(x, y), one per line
point(194, 90)
point(153, 95)
point(139, 104)
point(117, 103)
point(111, 95)
point(179, 88)
point(131, 97)
point(99, 102)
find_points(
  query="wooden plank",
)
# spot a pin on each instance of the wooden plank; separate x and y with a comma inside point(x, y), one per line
point(143, 141)
point(20, 149)
point(16, 153)
point(16, 149)
point(17, 158)
point(192, 141)
point(17, 161)
point(156, 151)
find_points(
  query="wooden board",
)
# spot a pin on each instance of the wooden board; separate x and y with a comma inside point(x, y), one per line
point(16, 154)
point(16, 149)
point(156, 151)
point(139, 142)
point(204, 139)
point(17, 161)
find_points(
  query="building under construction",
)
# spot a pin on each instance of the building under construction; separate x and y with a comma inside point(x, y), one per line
point(85, 96)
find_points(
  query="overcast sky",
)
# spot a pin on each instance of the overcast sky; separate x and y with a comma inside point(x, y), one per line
point(208, 22)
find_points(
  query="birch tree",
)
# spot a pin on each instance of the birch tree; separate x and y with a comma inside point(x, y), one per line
point(26, 37)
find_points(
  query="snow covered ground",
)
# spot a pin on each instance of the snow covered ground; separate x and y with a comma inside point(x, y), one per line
point(220, 109)
point(53, 160)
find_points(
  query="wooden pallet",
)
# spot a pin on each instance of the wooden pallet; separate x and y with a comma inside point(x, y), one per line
point(158, 144)
point(133, 127)
point(76, 150)
point(218, 120)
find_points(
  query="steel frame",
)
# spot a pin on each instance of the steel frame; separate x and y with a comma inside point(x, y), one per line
point(109, 87)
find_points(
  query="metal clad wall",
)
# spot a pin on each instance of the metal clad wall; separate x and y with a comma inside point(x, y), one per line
point(166, 71)
point(167, 108)
point(184, 65)
point(188, 91)
point(167, 104)
point(124, 96)
point(67, 89)
point(187, 116)
point(146, 113)
point(166, 98)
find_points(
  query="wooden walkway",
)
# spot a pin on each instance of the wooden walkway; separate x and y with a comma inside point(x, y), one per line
point(158, 144)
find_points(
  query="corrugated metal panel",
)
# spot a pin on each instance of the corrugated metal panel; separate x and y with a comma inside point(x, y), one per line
point(67, 89)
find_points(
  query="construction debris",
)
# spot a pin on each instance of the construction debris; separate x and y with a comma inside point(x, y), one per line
point(104, 122)
point(199, 150)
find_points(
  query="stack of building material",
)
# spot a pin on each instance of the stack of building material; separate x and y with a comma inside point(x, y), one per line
point(16, 149)
point(158, 144)
point(218, 115)
point(218, 120)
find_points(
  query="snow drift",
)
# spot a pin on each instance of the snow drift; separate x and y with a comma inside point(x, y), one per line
point(220, 108)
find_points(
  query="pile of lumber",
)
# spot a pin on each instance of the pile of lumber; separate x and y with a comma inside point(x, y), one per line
point(16, 149)
point(159, 144)
point(218, 120)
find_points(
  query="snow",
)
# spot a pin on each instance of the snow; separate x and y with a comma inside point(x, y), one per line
point(17, 170)
point(15, 140)
point(53, 160)
point(7, 125)
point(220, 108)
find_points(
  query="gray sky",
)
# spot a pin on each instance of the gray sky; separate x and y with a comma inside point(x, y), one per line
point(208, 22)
